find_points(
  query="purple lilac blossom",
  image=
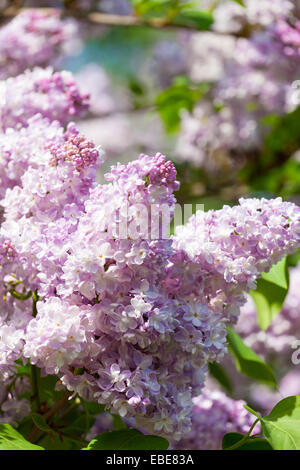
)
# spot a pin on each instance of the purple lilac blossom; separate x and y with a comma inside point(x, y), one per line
point(252, 78)
point(34, 38)
point(214, 414)
point(54, 95)
point(139, 317)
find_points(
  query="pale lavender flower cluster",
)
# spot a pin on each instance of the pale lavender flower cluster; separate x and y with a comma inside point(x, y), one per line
point(122, 315)
point(34, 38)
point(54, 95)
point(252, 78)
point(129, 322)
point(214, 414)
point(229, 248)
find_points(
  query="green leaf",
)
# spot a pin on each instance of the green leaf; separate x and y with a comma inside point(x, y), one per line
point(118, 423)
point(129, 439)
point(218, 373)
point(282, 426)
point(40, 422)
point(180, 95)
point(270, 293)
point(252, 443)
point(201, 20)
point(247, 362)
point(94, 408)
point(10, 439)
point(46, 386)
point(240, 2)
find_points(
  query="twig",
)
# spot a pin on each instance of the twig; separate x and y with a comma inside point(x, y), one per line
point(107, 19)
point(35, 431)
point(34, 385)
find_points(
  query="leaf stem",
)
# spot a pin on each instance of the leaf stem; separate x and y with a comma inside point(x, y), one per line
point(245, 438)
point(34, 385)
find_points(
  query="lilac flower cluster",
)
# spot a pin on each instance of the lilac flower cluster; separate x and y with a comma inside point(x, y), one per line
point(123, 318)
point(54, 95)
point(34, 38)
point(215, 414)
point(128, 322)
point(230, 247)
point(252, 78)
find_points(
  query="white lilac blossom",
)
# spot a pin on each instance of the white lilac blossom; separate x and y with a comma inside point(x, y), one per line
point(34, 38)
point(54, 95)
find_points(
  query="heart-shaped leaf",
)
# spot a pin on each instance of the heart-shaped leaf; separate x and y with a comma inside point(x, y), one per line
point(282, 426)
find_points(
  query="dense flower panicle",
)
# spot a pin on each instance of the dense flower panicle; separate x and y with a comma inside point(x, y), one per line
point(54, 95)
point(77, 149)
point(43, 210)
point(232, 246)
point(33, 38)
point(137, 315)
point(215, 414)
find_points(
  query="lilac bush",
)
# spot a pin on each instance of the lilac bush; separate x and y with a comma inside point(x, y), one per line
point(94, 295)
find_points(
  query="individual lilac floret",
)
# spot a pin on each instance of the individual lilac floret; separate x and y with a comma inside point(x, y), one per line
point(215, 414)
point(53, 95)
point(33, 38)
